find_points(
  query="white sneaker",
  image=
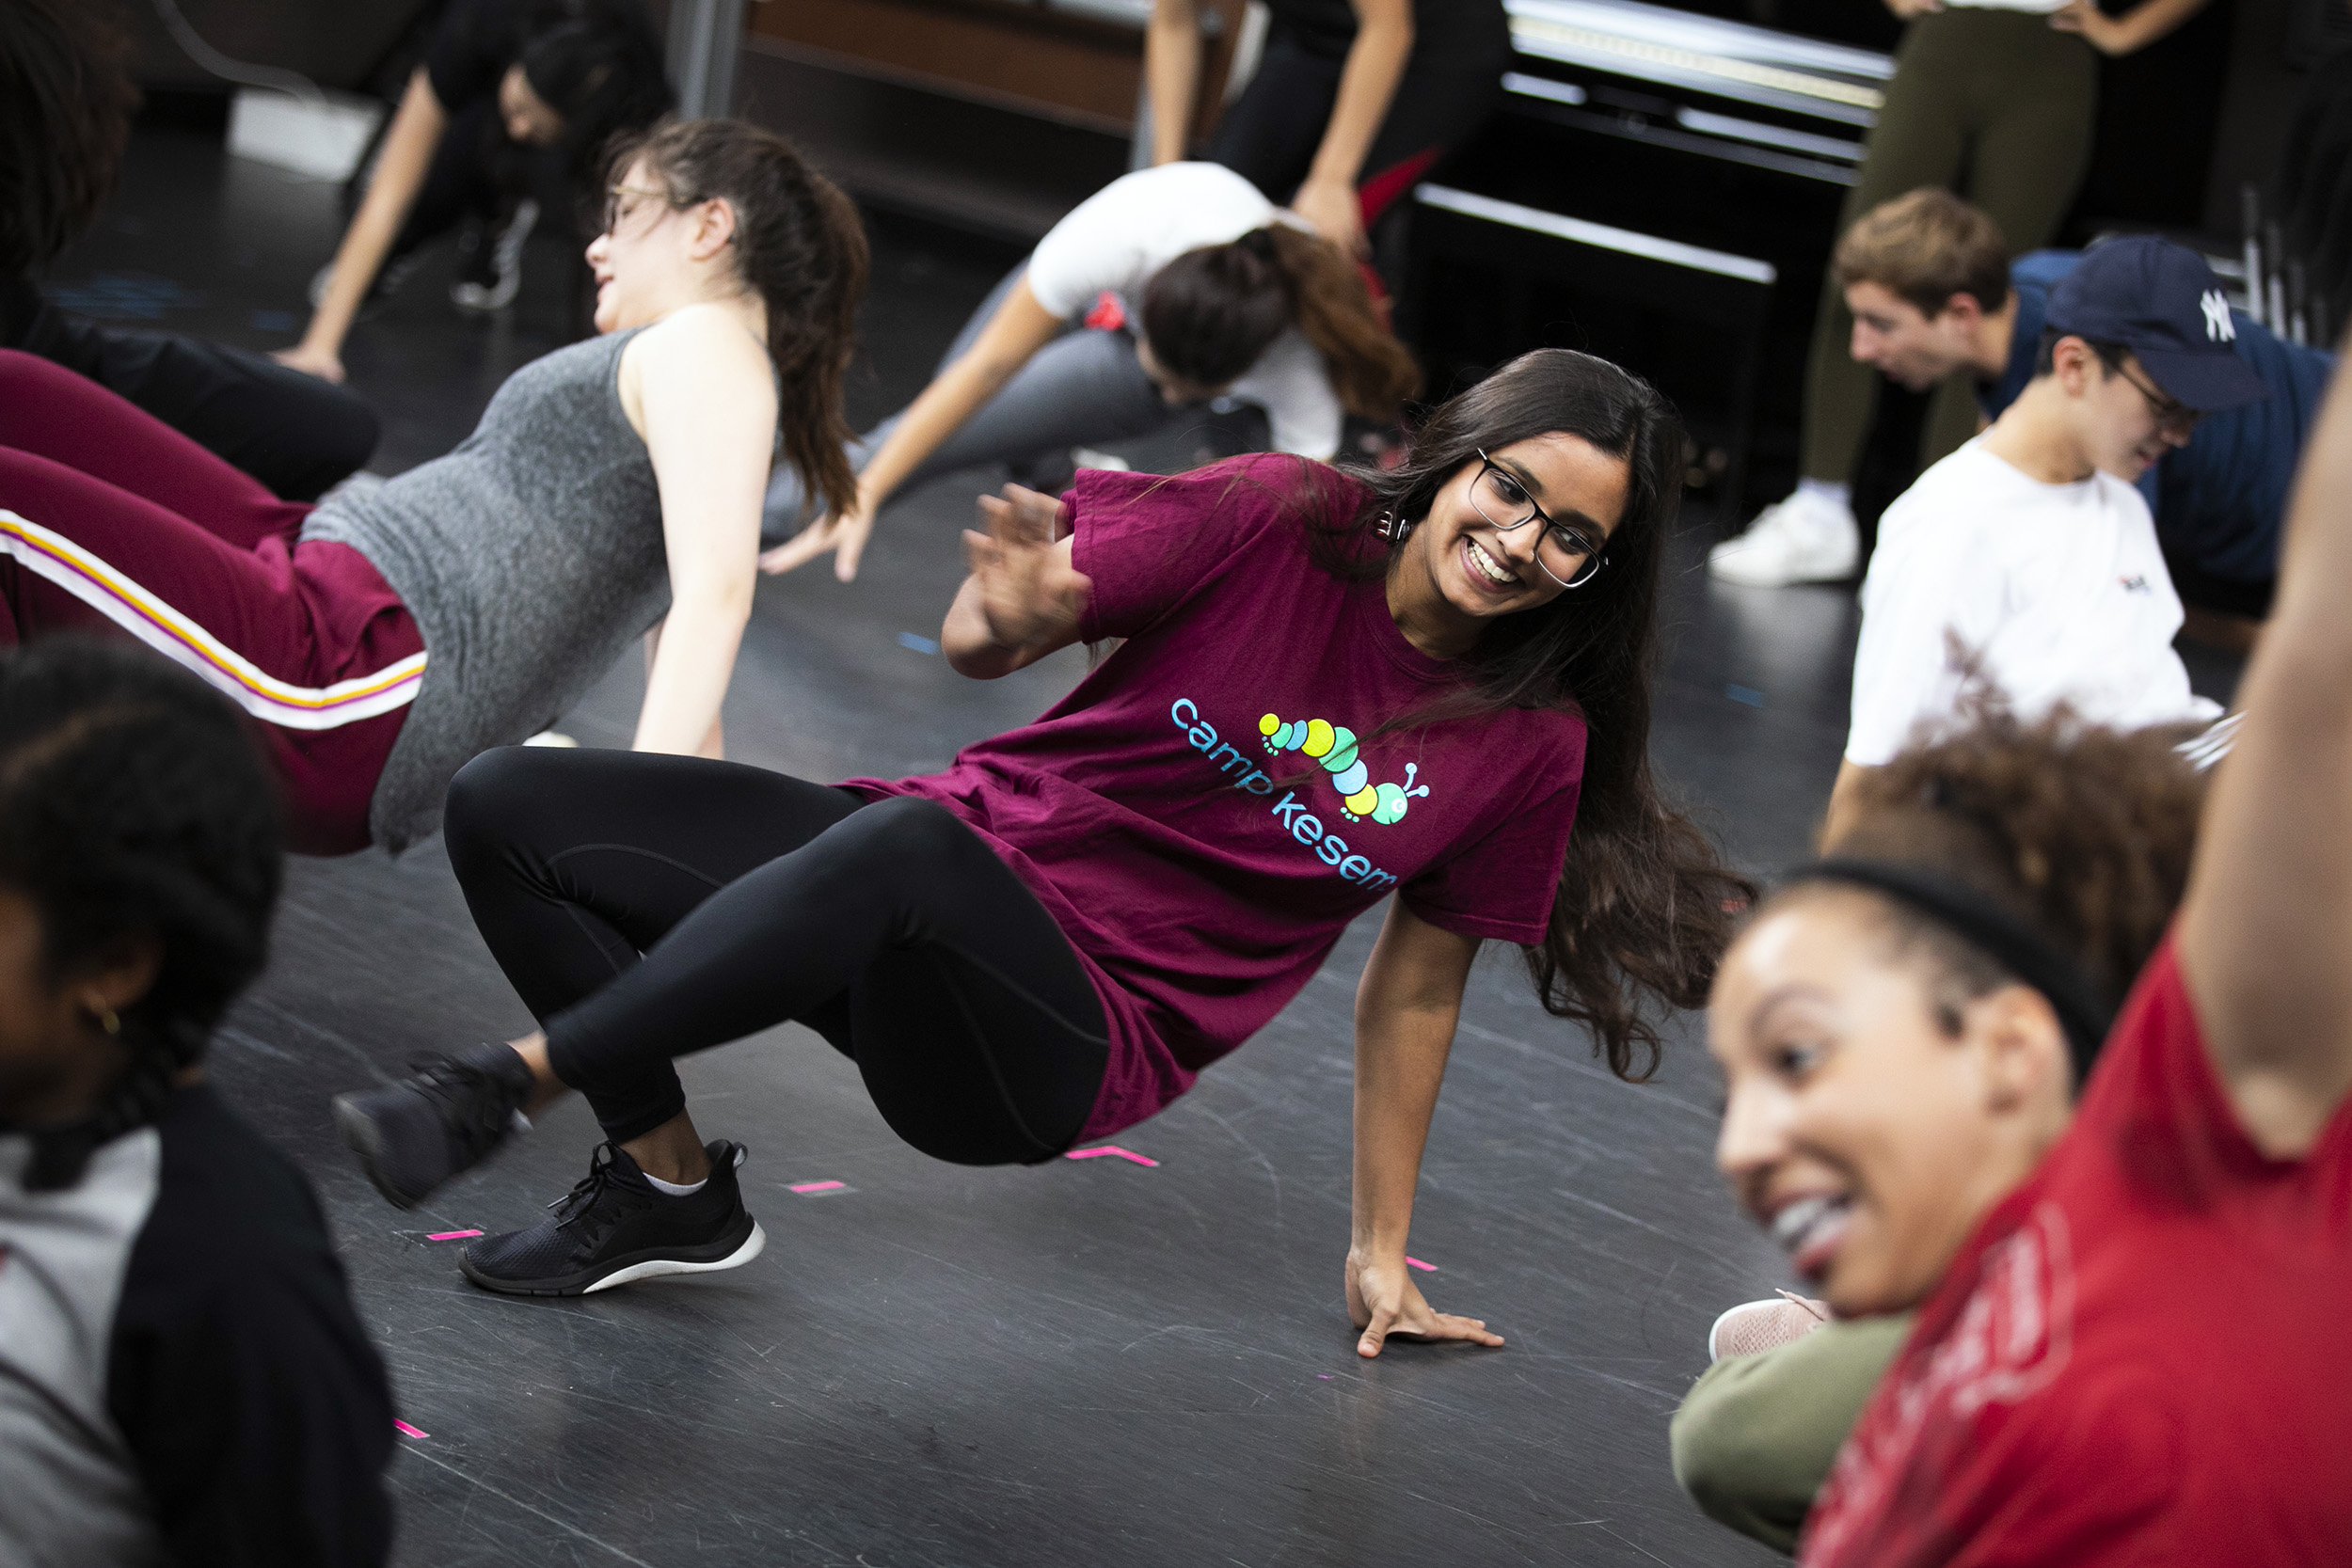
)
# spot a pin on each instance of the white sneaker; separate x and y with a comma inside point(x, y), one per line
point(494, 272)
point(1806, 538)
point(1756, 1326)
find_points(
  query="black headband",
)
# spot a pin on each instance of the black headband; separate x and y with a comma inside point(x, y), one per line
point(2000, 935)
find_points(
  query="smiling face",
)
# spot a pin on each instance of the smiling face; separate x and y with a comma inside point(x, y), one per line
point(1859, 1129)
point(1459, 569)
point(1905, 344)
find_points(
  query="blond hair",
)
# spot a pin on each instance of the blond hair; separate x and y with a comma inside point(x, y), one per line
point(1924, 248)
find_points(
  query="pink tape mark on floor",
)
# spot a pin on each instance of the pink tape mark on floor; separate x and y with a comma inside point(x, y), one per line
point(408, 1431)
point(451, 1235)
point(816, 1186)
point(1111, 1149)
point(1431, 1268)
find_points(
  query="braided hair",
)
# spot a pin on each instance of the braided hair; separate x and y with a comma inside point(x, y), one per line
point(133, 806)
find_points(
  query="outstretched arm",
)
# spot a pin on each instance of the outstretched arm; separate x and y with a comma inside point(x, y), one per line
point(1019, 328)
point(408, 149)
point(1171, 70)
point(1405, 1008)
point(699, 382)
point(2267, 926)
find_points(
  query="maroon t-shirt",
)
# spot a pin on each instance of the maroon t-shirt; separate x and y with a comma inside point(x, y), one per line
point(1205, 812)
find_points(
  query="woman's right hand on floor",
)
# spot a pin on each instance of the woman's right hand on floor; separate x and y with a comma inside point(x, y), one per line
point(844, 534)
point(1383, 1300)
point(324, 363)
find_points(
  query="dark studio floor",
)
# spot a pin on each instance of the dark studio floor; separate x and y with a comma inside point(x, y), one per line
point(1085, 1363)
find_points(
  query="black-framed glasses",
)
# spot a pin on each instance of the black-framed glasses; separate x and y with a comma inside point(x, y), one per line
point(2171, 414)
point(1566, 553)
point(619, 208)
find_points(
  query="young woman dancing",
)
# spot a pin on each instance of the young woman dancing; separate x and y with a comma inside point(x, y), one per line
point(1329, 687)
point(383, 639)
point(2129, 1345)
point(1184, 283)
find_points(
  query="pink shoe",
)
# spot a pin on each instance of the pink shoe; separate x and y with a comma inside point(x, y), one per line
point(1761, 1325)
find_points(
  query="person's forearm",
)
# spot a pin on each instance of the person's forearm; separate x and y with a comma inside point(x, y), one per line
point(1375, 63)
point(1400, 1064)
point(930, 420)
point(1171, 70)
point(408, 149)
point(2154, 20)
point(691, 665)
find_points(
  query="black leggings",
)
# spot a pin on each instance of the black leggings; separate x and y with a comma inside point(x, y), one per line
point(647, 906)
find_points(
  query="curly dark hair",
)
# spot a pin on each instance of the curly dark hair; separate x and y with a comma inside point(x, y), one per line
point(133, 806)
point(2083, 834)
point(65, 114)
point(1645, 905)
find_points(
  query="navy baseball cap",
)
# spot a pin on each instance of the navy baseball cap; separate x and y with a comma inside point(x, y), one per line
point(2163, 303)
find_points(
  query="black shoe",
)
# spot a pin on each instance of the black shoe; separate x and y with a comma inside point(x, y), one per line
point(413, 1136)
point(614, 1227)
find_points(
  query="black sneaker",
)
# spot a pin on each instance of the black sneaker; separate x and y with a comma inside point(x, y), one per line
point(614, 1227)
point(413, 1136)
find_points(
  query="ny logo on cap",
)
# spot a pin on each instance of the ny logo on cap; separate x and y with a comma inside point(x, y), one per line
point(2219, 328)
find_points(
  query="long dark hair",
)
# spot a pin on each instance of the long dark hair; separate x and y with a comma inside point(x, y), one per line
point(65, 112)
point(1645, 905)
point(598, 64)
point(132, 807)
point(1211, 312)
point(799, 246)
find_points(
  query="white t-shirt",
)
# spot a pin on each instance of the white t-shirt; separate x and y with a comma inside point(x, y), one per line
point(2059, 589)
point(1115, 239)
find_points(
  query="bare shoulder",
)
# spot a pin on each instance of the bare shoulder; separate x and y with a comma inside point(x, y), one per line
point(702, 341)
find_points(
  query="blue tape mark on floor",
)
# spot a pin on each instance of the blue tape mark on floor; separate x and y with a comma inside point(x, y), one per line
point(920, 644)
point(139, 295)
point(1747, 694)
point(273, 321)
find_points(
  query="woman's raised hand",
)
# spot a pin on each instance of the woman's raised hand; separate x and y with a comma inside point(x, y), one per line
point(1383, 1300)
point(1029, 595)
point(844, 534)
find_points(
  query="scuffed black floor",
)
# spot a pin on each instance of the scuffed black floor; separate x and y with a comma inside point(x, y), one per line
point(1095, 1363)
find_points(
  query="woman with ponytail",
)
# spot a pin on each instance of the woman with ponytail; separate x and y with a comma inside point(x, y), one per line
point(185, 1380)
point(1181, 284)
point(612, 488)
point(1326, 688)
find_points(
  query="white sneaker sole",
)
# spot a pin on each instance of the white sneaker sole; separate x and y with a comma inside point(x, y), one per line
point(753, 1244)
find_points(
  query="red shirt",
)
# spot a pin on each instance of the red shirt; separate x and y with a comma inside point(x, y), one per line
point(1205, 812)
point(2142, 1355)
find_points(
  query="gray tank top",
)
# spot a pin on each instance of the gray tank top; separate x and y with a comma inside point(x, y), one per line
point(532, 558)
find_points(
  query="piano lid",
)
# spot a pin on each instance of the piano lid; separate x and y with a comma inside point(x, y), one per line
point(1725, 59)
